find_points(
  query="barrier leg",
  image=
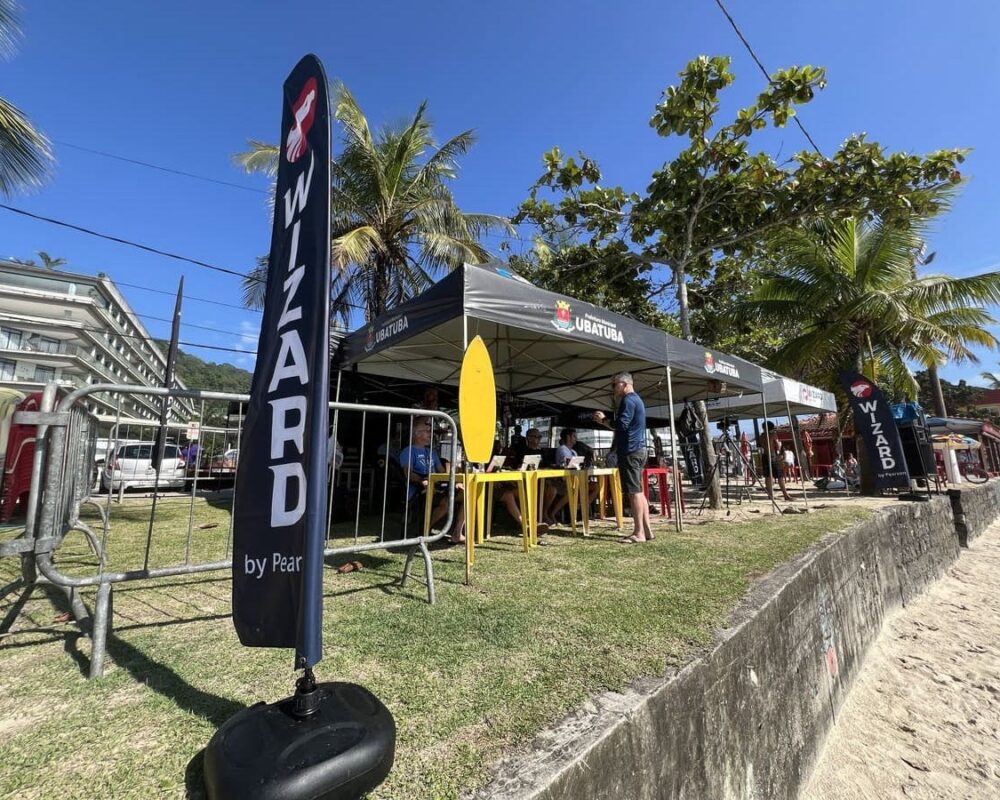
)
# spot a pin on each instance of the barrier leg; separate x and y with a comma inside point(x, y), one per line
point(103, 611)
point(429, 573)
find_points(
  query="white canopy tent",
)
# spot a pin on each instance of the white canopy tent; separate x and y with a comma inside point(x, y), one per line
point(782, 397)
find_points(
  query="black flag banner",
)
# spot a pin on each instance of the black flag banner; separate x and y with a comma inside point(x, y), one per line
point(873, 420)
point(279, 513)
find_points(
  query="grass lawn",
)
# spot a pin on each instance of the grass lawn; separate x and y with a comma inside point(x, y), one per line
point(467, 679)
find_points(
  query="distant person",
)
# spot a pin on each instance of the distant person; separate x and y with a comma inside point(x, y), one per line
point(769, 446)
point(788, 465)
point(630, 444)
point(852, 471)
point(190, 453)
point(418, 461)
point(517, 441)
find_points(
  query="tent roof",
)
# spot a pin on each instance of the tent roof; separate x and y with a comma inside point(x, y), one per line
point(543, 345)
point(780, 395)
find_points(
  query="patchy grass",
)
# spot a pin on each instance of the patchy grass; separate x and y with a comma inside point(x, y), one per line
point(478, 674)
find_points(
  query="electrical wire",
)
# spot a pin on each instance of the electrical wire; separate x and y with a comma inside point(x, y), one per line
point(119, 240)
point(767, 75)
point(170, 170)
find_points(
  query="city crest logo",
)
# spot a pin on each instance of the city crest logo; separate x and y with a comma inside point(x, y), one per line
point(563, 321)
point(709, 363)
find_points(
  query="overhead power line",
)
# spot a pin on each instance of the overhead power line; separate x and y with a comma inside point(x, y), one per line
point(767, 74)
point(119, 240)
point(150, 165)
point(117, 282)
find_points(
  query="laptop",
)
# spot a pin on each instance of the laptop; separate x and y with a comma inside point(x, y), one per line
point(576, 462)
point(530, 463)
point(496, 463)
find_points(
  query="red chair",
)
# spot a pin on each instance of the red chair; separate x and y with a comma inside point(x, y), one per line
point(664, 485)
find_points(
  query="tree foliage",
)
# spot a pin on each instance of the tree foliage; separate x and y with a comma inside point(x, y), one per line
point(196, 373)
point(580, 271)
point(960, 398)
point(854, 290)
point(25, 153)
point(718, 197)
point(395, 222)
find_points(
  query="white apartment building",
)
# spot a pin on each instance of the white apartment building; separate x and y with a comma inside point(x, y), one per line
point(77, 330)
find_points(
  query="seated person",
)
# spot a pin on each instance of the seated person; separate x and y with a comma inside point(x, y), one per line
point(559, 498)
point(417, 462)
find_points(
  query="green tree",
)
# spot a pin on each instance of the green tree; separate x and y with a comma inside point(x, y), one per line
point(718, 197)
point(578, 270)
point(25, 154)
point(395, 222)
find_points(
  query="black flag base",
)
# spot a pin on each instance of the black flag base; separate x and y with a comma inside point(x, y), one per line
point(330, 741)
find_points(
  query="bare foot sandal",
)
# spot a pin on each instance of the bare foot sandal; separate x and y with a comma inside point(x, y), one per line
point(633, 539)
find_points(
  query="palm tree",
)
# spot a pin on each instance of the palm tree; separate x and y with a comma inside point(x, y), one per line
point(992, 378)
point(850, 290)
point(395, 223)
point(25, 154)
point(49, 262)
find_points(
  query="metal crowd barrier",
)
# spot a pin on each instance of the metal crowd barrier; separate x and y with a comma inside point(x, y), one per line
point(370, 507)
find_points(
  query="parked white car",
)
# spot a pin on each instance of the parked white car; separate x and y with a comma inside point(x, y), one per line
point(132, 465)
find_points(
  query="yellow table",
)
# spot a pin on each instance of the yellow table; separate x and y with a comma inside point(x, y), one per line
point(476, 527)
point(574, 486)
point(616, 491)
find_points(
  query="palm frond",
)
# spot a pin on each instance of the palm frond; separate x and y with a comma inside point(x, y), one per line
point(260, 158)
point(356, 246)
point(25, 153)
point(254, 284)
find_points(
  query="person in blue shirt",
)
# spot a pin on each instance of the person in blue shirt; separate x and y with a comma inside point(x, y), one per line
point(630, 446)
point(417, 462)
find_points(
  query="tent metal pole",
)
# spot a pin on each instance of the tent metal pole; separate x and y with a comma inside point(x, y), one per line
point(770, 455)
point(675, 480)
point(797, 447)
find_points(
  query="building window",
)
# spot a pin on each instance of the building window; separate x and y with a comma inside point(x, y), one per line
point(10, 339)
point(45, 345)
point(7, 369)
point(44, 374)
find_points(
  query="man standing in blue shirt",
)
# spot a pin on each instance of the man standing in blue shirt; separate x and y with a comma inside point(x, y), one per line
point(630, 447)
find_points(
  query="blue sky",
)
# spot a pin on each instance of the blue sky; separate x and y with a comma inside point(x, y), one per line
point(185, 84)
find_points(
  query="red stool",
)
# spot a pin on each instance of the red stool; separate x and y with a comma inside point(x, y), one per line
point(660, 473)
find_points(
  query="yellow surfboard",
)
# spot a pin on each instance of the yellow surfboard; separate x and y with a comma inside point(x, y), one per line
point(477, 402)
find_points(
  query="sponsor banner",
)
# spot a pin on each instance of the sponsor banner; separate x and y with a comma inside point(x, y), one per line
point(873, 420)
point(279, 515)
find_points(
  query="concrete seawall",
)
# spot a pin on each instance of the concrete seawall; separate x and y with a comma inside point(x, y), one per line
point(747, 719)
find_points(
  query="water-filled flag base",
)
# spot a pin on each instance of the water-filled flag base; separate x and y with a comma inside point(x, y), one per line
point(341, 751)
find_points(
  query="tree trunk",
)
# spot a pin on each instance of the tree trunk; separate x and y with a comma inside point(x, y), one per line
point(937, 395)
point(714, 487)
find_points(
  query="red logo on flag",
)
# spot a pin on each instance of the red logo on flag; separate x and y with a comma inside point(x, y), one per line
point(303, 113)
point(861, 389)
